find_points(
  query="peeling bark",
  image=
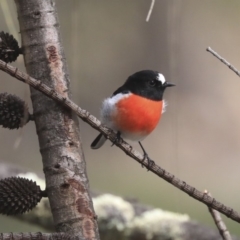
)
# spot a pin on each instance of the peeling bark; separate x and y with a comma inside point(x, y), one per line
point(57, 127)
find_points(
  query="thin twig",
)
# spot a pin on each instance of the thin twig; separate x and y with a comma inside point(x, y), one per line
point(37, 235)
point(215, 54)
point(219, 222)
point(150, 10)
point(108, 133)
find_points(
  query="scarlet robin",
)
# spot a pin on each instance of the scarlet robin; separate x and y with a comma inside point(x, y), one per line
point(135, 108)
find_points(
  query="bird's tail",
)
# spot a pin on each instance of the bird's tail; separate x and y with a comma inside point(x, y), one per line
point(98, 142)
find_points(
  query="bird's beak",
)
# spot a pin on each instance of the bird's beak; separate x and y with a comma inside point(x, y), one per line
point(168, 84)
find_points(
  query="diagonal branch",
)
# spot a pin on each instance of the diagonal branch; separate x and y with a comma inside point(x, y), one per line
point(150, 10)
point(96, 124)
point(219, 222)
point(38, 235)
point(223, 60)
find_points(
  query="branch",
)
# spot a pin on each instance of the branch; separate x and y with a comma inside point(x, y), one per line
point(215, 54)
point(150, 10)
point(96, 124)
point(219, 222)
point(38, 235)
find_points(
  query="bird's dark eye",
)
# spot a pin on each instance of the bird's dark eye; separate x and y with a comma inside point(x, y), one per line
point(152, 83)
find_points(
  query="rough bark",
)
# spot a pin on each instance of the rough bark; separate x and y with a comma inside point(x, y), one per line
point(57, 128)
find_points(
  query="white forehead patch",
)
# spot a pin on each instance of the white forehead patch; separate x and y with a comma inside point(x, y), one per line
point(161, 78)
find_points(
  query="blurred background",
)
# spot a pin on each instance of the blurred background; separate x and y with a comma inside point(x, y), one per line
point(199, 136)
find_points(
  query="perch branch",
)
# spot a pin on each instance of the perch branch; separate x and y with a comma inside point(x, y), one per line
point(96, 124)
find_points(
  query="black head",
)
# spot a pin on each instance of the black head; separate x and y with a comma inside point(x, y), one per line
point(146, 83)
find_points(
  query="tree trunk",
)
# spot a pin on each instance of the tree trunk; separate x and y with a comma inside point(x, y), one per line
point(57, 128)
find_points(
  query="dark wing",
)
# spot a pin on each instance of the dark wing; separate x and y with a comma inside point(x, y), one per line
point(122, 90)
point(98, 142)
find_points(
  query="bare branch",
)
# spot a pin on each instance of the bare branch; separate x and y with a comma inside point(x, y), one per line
point(215, 54)
point(96, 124)
point(150, 10)
point(38, 235)
point(219, 222)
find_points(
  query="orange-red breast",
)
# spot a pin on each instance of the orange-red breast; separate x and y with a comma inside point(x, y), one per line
point(135, 108)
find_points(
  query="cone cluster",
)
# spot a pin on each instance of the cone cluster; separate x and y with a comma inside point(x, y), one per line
point(13, 111)
point(9, 49)
point(18, 195)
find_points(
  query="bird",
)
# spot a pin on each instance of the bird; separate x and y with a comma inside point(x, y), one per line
point(134, 109)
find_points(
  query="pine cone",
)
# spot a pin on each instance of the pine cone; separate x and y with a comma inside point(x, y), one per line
point(18, 195)
point(13, 111)
point(9, 49)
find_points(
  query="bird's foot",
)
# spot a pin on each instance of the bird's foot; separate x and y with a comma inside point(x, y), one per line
point(151, 163)
point(117, 139)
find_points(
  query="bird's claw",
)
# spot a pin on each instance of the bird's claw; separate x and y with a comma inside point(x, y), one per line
point(117, 139)
point(151, 163)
